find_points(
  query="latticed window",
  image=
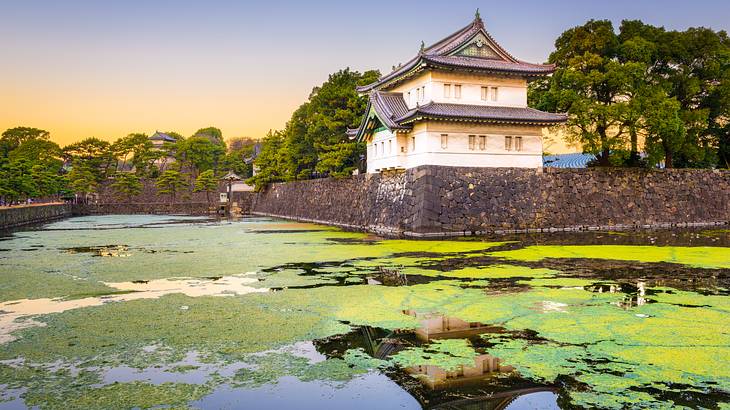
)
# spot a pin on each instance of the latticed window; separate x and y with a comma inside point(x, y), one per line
point(518, 143)
point(447, 90)
point(457, 91)
point(495, 93)
point(485, 93)
point(482, 142)
point(508, 143)
point(472, 142)
point(444, 141)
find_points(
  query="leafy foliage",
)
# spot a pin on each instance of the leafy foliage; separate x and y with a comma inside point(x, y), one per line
point(314, 143)
point(171, 182)
point(206, 182)
point(127, 185)
point(669, 87)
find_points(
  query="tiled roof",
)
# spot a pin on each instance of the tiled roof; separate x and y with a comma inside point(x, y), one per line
point(491, 65)
point(441, 54)
point(389, 107)
point(161, 136)
point(392, 111)
point(481, 113)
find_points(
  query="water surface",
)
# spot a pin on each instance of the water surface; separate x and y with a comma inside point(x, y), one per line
point(184, 312)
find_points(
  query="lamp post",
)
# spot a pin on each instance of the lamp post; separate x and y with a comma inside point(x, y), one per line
point(230, 177)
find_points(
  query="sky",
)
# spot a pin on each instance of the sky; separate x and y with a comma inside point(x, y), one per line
point(89, 68)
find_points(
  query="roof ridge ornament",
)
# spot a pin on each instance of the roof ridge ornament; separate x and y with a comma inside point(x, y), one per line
point(422, 50)
point(478, 19)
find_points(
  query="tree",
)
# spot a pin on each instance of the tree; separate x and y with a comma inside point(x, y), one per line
point(200, 154)
point(82, 180)
point(632, 84)
point(665, 128)
point(316, 133)
point(17, 181)
point(139, 147)
point(93, 155)
point(12, 138)
point(239, 155)
point(212, 134)
point(171, 182)
point(206, 182)
point(590, 84)
point(127, 184)
point(270, 162)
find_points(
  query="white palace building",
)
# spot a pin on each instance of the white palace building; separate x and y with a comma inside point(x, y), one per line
point(460, 102)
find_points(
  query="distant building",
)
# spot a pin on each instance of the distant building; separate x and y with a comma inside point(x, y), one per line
point(159, 139)
point(460, 102)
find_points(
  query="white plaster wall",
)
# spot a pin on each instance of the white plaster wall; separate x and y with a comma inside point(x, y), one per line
point(512, 91)
point(507, 96)
point(429, 151)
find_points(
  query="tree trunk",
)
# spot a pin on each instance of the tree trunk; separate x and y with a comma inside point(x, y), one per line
point(603, 159)
point(668, 159)
point(634, 157)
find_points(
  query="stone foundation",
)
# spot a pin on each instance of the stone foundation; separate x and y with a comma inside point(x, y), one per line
point(443, 201)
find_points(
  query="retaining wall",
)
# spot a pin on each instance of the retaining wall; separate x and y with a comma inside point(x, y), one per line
point(438, 201)
point(26, 215)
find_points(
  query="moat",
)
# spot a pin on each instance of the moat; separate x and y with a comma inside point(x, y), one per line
point(185, 312)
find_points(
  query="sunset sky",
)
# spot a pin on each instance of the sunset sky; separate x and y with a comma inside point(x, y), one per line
point(108, 68)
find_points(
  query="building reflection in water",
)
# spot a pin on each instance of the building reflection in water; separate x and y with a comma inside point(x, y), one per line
point(437, 326)
point(635, 295)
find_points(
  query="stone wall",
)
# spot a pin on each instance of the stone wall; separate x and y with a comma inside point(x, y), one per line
point(149, 201)
point(382, 203)
point(435, 201)
point(26, 215)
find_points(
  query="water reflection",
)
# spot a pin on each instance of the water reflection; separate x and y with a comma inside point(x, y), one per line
point(635, 295)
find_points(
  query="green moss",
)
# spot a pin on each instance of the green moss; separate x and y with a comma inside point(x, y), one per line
point(682, 338)
point(701, 257)
point(447, 354)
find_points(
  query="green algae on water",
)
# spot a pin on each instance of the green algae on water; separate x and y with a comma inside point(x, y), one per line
point(700, 257)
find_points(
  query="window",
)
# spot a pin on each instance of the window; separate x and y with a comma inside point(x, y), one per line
point(409, 97)
point(390, 146)
point(447, 90)
point(482, 142)
point(444, 141)
point(472, 142)
point(413, 143)
point(375, 149)
point(382, 148)
point(518, 143)
point(495, 92)
point(485, 93)
point(508, 143)
point(457, 91)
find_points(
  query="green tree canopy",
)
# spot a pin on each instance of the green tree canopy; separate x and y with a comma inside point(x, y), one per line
point(171, 182)
point(200, 154)
point(12, 138)
point(316, 133)
point(206, 182)
point(127, 185)
point(639, 82)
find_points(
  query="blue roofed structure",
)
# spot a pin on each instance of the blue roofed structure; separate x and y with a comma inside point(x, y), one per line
point(576, 160)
